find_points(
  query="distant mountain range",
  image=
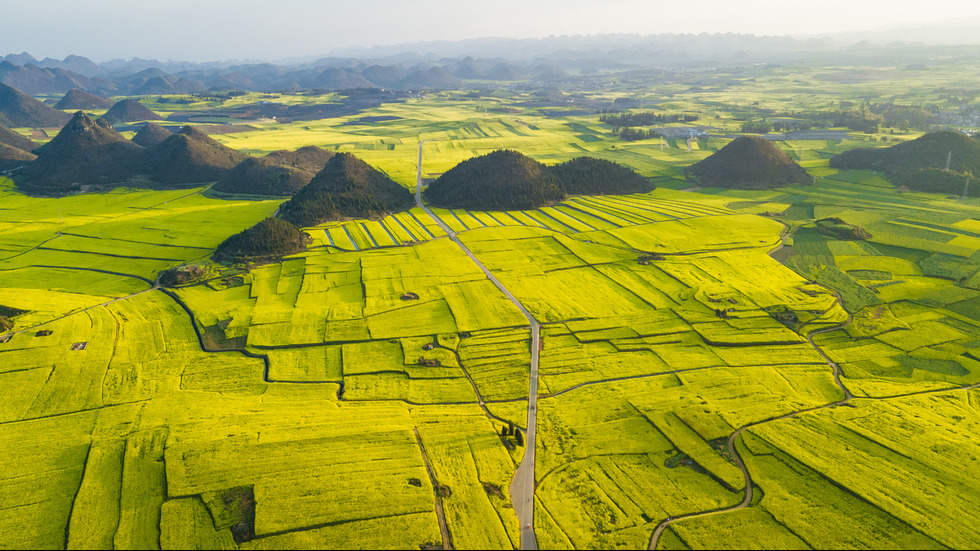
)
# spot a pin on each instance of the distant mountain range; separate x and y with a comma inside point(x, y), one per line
point(442, 65)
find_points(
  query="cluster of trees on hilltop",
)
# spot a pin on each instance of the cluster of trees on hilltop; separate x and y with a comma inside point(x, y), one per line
point(921, 164)
point(646, 118)
point(748, 162)
point(509, 180)
point(937, 180)
point(270, 239)
point(500, 180)
point(636, 134)
point(346, 187)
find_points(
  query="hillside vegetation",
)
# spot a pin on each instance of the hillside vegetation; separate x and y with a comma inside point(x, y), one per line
point(151, 134)
point(89, 152)
point(347, 187)
point(13, 139)
point(85, 152)
point(920, 164)
point(591, 176)
point(748, 162)
point(17, 109)
point(80, 99)
point(503, 179)
point(129, 110)
point(279, 173)
point(270, 239)
point(190, 156)
point(506, 179)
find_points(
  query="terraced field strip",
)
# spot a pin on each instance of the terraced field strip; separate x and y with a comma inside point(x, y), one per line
point(616, 211)
point(522, 487)
point(579, 206)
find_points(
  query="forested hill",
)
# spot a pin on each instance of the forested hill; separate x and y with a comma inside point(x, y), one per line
point(505, 179)
point(748, 162)
point(347, 187)
point(921, 164)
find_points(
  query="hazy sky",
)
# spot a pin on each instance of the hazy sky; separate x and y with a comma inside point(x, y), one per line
point(207, 30)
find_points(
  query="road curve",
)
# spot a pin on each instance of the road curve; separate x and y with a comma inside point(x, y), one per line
point(522, 487)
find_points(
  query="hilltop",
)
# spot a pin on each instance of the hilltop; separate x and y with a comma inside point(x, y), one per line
point(189, 156)
point(91, 152)
point(505, 179)
point(256, 176)
point(591, 176)
point(85, 152)
point(80, 99)
point(920, 164)
point(310, 158)
point(500, 180)
point(278, 173)
point(347, 187)
point(130, 110)
point(270, 239)
point(17, 109)
point(151, 134)
point(748, 162)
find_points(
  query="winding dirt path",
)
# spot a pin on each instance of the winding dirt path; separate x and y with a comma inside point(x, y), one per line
point(522, 486)
point(848, 397)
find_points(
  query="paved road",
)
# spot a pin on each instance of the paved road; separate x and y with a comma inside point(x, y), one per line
point(522, 487)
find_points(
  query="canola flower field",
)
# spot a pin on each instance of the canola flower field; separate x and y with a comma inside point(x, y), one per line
point(308, 404)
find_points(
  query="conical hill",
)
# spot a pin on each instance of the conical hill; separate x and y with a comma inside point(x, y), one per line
point(189, 156)
point(748, 162)
point(347, 187)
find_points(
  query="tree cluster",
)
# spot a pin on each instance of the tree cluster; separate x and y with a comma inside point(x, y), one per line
point(756, 127)
point(508, 180)
point(347, 187)
point(636, 134)
point(645, 118)
point(748, 162)
point(270, 239)
point(921, 164)
point(859, 120)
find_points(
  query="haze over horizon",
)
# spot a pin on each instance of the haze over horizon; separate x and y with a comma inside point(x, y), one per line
point(217, 30)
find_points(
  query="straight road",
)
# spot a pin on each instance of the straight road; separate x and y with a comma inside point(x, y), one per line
point(522, 487)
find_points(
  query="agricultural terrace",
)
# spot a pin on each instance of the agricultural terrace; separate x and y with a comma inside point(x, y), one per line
point(355, 394)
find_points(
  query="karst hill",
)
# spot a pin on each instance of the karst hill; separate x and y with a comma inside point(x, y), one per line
point(89, 152)
point(506, 180)
point(500, 180)
point(189, 156)
point(281, 173)
point(269, 240)
point(921, 164)
point(13, 139)
point(151, 134)
point(347, 187)
point(18, 110)
point(85, 152)
point(748, 162)
point(129, 110)
point(15, 150)
point(79, 99)
point(591, 176)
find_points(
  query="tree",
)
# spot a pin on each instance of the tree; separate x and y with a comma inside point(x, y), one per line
point(519, 436)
